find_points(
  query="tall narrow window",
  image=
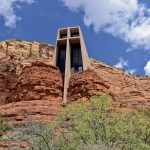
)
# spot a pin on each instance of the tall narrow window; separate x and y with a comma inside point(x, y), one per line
point(61, 59)
point(76, 58)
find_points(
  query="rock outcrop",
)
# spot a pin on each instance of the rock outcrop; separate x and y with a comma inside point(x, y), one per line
point(31, 87)
point(36, 94)
point(126, 91)
point(85, 84)
point(131, 91)
point(37, 81)
point(2, 89)
point(26, 51)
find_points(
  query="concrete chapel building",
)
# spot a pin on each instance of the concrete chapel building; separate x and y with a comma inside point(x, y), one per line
point(70, 54)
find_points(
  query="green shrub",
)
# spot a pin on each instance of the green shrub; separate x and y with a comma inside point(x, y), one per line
point(96, 124)
point(3, 126)
point(92, 126)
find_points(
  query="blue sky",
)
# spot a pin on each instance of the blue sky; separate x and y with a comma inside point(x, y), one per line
point(116, 32)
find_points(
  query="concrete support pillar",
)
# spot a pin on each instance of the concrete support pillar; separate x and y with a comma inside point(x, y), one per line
point(67, 69)
point(85, 57)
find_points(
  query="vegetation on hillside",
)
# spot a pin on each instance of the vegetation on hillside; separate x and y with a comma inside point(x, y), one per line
point(3, 127)
point(91, 126)
point(97, 126)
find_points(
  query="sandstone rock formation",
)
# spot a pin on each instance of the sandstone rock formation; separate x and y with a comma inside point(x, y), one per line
point(26, 51)
point(2, 89)
point(126, 91)
point(85, 84)
point(31, 87)
point(36, 94)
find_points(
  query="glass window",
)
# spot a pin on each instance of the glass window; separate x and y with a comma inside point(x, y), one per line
point(61, 59)
point(76, 58)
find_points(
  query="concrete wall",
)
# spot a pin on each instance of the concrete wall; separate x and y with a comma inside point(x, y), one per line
point(69, 39)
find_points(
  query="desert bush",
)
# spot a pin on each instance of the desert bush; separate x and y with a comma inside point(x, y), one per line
point(3, 126)
point(94, 125)
point(41, 136)
point(97, 124)
point(37, 136)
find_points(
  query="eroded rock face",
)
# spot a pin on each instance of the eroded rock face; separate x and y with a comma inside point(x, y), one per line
point(8, 78)
point(30, 87)
point(37, 82)
point(27, 51)
point(126, 91)
point(85, 84)
point(2, 89)
point(37, 94)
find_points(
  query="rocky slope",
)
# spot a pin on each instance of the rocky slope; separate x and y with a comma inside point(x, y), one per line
point(31, 87)
point(36, 94)
point(126, 91)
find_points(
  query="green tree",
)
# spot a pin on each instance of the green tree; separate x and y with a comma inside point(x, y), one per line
point(96, 123)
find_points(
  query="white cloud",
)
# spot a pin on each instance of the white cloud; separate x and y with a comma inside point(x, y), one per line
point(122, 63)
point(128, 50)
point(147, 68)
point(131, 71)
point(126, 19)
point(8, 13)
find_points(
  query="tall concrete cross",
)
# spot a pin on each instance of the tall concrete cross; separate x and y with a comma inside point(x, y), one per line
point(70, 54)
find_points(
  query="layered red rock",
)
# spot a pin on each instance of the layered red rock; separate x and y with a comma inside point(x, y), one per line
point(30, 87)
point(85, 84)
point(36, 82)
point(128, 90)
point(2, 89)
point(36, 94)
point(8, 77)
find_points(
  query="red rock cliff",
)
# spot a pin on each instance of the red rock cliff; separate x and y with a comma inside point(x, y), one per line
point(30, 87)
point(126, 91)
